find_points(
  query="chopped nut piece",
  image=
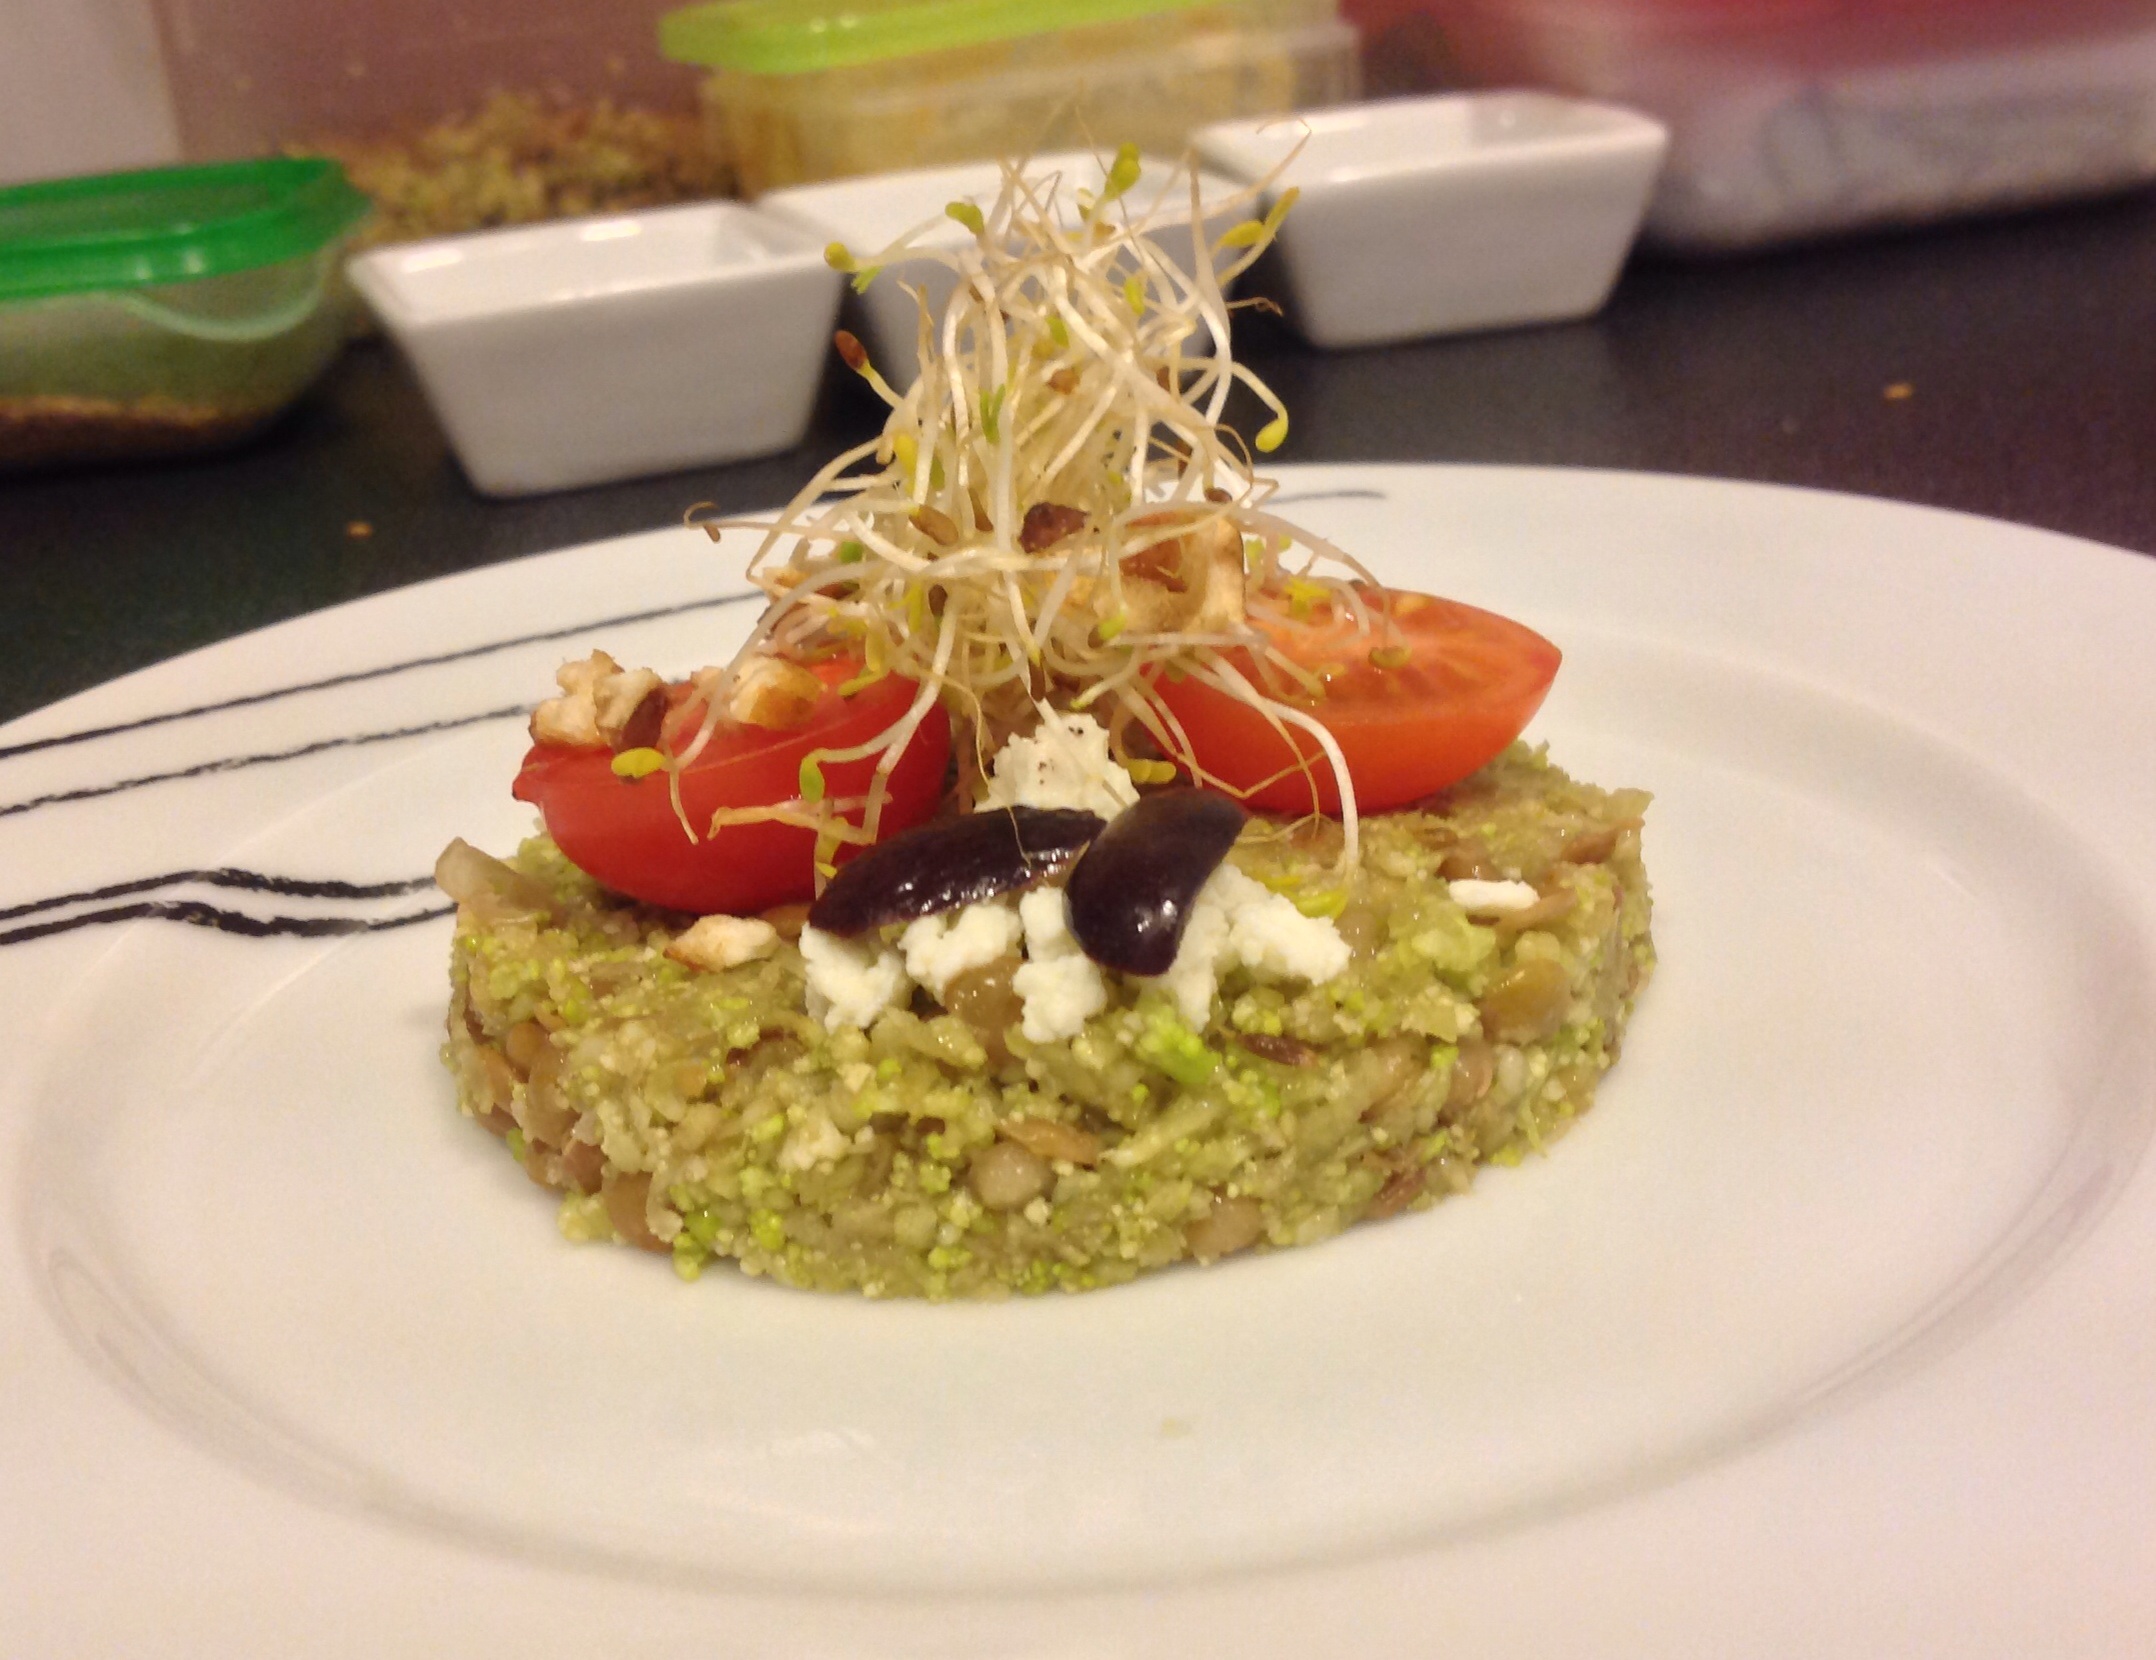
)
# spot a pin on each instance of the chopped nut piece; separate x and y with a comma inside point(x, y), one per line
point(773, 693)
point(1192, 583)
point(1047, 523)
point(620, 697)
point(1160, 562)
point(584, 677)
point(716, 942)
point(646, 726)
point(567, 720)
point(578, 717)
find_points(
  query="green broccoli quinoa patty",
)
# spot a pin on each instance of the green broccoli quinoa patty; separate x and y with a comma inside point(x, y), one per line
point(941, 1154)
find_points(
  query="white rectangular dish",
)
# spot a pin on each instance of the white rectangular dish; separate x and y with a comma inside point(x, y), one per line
point(870, 213)
point(1811, 118)
point(1438, 215)
point(593, 349)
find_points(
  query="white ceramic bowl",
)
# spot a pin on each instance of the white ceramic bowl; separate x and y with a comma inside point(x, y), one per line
point(1461, 211)
point(872, 212)
point(592, 349)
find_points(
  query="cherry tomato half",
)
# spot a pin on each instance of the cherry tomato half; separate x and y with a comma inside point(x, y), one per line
point(623, 833)
point(1456, 685)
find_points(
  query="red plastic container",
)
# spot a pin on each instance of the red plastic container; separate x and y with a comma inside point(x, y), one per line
point(1800, 118)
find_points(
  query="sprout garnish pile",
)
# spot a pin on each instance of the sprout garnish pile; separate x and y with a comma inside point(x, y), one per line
point(1053, 515)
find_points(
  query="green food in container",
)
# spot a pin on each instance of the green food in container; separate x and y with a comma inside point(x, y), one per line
point(169, 310)
point(803, 90)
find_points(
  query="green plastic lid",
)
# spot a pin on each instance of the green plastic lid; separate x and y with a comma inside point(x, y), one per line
point(793, 37)
point(169, 224)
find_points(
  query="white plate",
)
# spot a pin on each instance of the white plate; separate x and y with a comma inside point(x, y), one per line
point(1829, 1331)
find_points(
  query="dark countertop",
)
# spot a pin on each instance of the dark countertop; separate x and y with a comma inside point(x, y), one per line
point(2006, 368)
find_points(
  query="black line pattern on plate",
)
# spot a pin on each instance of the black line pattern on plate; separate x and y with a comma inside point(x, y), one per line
point(1294, 498)
point(237, 763)
point(201, 915)
point(225, 876)
point(464, 653)
point(356, 676)
point(198, 913)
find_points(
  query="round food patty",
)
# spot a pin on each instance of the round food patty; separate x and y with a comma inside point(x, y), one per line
point(940, 1153)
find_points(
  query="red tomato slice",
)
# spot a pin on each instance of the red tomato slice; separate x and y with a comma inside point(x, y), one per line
point(623, 832)
point(1470, 682)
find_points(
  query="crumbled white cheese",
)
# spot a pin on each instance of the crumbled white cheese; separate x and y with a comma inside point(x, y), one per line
point(1064, 764)
point(850, 982)
point(1060, 996)
point(1269, 936)
point(716, 942)
point(940, 948)
point(1480, 898)
point(1200, 956)
point(815, 1140)
point(1047, 923)
point(1237, 920)
point(1059, 985)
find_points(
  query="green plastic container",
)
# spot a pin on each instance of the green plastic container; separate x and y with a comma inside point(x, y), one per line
point(176, 309)
point(804, 90)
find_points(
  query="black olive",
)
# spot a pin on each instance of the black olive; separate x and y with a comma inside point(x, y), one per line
point(940, 867)
point(1131, 894)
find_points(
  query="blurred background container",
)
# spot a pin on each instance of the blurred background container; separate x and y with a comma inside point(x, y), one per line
point(169, 310)
point(452, 114)
point(473, 113)
point(575, 353)
point(1797, 118)
point(805, 90)
point(1789, 118)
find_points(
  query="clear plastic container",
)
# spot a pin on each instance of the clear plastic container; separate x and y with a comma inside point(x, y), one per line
point(802, 90)
point(166, 311)
point(1800, 118)
point(452, 117)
